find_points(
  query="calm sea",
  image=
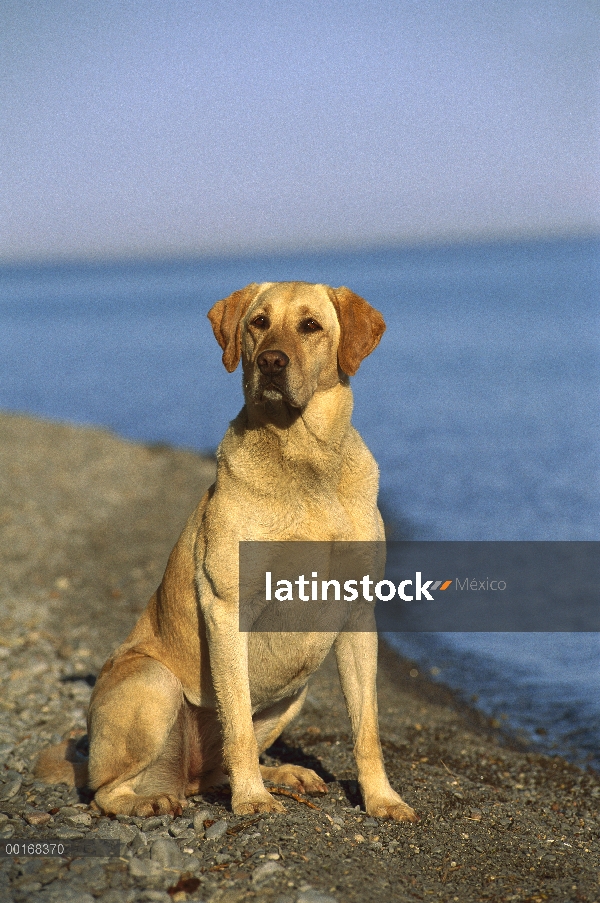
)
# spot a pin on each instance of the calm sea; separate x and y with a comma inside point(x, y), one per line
point(480, 405)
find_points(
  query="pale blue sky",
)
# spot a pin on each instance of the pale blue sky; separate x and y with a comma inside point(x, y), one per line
point(174, 127)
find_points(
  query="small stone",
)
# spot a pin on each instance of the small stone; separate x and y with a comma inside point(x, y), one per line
point(69, 834)
point(109, 830)
point(199, 819)
point(114, 830)
point(5, 751)
point(65, 894)
point(149, 824)
point(180, 826)
point(310, 895)
point(166, 852)
point(38, 819)
point(217, 830)
point(30, 887)
point(10, 789)
point(118, 896)
point(145, 868)
point(188, 837)
point(371, 823)
point(82, 820)
point(265, 872)
point(191, 863)
point(127, 833)
point(157, 896)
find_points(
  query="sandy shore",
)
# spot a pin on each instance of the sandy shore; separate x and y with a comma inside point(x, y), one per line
point(87, 521)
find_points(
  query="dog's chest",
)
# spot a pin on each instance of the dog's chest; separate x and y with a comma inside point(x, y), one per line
point(311, 509)
point(279, 664)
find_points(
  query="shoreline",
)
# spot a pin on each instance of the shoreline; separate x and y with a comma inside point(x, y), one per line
point(500, 728)
point(87, 521)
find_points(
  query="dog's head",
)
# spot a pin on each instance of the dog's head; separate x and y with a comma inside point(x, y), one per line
point(294, 338)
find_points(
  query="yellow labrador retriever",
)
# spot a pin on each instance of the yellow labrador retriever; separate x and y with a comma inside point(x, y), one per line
point(188, 701)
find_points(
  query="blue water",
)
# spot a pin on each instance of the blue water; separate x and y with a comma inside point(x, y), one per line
point(480, 405)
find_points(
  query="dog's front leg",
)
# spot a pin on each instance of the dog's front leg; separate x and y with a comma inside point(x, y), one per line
point(229, 668)
point(357, 665)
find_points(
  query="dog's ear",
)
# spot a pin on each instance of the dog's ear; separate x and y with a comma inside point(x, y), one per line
point(361, 328)
point(226, 318)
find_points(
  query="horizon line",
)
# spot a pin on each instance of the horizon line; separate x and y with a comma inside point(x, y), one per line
point(191, 256)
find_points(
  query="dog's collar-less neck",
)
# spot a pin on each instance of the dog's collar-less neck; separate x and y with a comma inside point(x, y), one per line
point(325, 420)
point(315, 440)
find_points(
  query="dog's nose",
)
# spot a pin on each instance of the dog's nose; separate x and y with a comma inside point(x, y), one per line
point(270, 363)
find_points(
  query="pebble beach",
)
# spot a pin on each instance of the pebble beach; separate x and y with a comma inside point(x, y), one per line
point(87, 521)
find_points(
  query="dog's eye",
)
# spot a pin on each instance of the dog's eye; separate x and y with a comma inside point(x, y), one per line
point(310, 326)
point(260, 322)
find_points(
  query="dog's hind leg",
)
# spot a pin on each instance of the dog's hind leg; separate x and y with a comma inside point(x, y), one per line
point(268, 725)
point(136, 724)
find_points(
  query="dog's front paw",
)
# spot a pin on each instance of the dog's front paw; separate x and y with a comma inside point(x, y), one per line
point(394, 808)
point(129, 803)
point(263, 803)
point(303, 780)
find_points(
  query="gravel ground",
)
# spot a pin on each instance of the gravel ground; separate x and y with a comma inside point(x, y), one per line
point(87, 521)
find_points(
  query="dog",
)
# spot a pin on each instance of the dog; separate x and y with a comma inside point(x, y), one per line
point(188, 701)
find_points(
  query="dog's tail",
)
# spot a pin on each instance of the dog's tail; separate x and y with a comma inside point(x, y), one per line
point(64, 763)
